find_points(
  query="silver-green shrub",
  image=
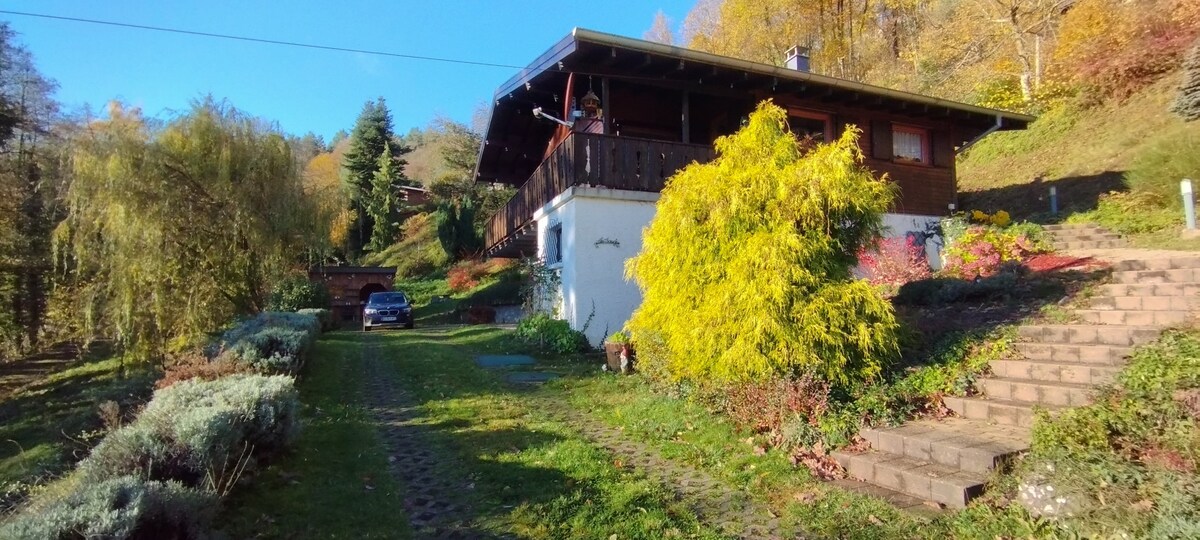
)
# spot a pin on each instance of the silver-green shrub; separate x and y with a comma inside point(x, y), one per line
point(328, 323)
point(272, 342)
point(200, 432)
point(123, 508)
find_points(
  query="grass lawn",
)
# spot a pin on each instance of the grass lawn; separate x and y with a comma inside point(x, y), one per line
point(529, 475)
point(49, 425)
point(334, 484)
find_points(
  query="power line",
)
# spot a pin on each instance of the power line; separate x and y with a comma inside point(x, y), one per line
point(261, 40)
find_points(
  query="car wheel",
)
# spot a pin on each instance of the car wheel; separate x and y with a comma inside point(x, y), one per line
point(366, 328)
point(409, 325)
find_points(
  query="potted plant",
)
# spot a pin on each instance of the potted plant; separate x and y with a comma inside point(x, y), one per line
point(618, 352)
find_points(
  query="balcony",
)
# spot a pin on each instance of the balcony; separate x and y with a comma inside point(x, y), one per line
point(586, 159)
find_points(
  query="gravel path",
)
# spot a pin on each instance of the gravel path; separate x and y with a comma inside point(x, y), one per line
point(434, 500)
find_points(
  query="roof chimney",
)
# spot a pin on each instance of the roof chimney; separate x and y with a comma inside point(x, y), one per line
point(797, 58)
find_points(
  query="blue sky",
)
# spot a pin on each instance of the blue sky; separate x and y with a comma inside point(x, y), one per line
point(304, 89)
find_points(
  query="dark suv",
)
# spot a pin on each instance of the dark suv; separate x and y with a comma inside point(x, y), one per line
point(387, 309)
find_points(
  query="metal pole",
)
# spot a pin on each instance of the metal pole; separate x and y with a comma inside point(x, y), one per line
point(1053, 201)
point(1189, 204)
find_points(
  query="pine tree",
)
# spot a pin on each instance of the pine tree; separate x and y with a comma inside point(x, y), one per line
point(383, 202)
point(371, 135)
point(1187, 103)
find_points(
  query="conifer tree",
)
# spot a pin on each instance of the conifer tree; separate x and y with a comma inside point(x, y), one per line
point(383, 202)
point(1187, 103)
point(370, 138)
point(756, 249)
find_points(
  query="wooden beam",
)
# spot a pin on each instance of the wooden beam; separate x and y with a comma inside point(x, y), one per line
point(687, 131)
point(605, 104)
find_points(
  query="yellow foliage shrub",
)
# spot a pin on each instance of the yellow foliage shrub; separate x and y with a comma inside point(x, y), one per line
point(746, 267)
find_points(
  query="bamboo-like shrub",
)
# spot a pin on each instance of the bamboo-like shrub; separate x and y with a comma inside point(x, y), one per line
point(746, 267)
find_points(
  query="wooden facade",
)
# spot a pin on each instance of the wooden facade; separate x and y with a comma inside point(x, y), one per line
point(664, 106)
point(349, 287)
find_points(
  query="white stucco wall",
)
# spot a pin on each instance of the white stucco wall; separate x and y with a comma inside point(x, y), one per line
point(602, 228)
point(899, 225)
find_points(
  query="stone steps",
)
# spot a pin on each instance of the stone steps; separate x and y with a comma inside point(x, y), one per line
point(1181, 304)
point(1064, 372)
point(1036, 392)
point(998, 411)
point(1067, 228)
point(1132, 317)
point(1083, 334)
point(923, 479)
point(1150, 289)
point(1143, 277)
point(1162, 263)
point(1099, 355)
point(953, 442)
point(1068, 245)
point(1059, 366)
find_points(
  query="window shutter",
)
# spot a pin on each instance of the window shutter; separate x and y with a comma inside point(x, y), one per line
point(943, 148)
point(881, 140)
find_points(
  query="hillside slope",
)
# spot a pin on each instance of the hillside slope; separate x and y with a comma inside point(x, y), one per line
point(1083, 152)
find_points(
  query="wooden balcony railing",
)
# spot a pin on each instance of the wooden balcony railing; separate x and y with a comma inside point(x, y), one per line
point(590, 159)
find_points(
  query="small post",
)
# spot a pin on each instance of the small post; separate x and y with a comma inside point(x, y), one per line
point(1189, 204)
point(1053, 201)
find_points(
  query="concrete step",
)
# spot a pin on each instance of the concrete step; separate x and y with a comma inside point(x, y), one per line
point(953, 442)
point(1067, 227)
point(1142, 277)
point(1132, 318)
point(1058, 394)
point(1083, 334)
point(1093, 355)
point(996, 411)
point(1145, 303)
point(1069, 245)
point(1087, 236)
point(1151, 289)
point(922, 479)
point(1165, 263)
point(1055, 372)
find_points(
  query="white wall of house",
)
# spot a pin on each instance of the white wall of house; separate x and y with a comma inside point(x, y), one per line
point(601, 229)
point(899, 225)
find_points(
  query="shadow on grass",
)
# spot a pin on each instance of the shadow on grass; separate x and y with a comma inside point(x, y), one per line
point(1031, 201)
point(47, 424)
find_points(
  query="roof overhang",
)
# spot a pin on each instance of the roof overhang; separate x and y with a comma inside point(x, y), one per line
point(513, 134)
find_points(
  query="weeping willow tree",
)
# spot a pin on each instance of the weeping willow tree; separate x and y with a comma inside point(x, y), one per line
point(746, 267)
point(174, 228)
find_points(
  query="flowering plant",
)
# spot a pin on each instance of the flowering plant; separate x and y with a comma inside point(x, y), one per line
point(894, 262)
point(981, 250)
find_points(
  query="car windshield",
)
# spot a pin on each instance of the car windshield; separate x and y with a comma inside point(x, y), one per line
point(387, 298)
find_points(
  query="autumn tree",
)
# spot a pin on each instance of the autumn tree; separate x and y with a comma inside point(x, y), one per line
point(756, 249)
point(175, 227)
point(660, 30)
point(30, 181)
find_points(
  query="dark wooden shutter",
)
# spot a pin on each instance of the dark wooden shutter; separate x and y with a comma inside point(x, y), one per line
point(943, 148)
point(881, 140)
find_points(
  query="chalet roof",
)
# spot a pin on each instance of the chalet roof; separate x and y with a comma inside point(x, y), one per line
point(584, 52)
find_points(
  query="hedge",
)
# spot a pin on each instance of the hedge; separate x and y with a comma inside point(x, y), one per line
point(272, 341)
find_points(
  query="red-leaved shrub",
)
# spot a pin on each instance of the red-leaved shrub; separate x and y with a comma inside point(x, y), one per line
point(466, 275)
point(894, 262)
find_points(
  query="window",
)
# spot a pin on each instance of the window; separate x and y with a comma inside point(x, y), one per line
point(554, 244)
point(815, 126)
point(910, 144)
